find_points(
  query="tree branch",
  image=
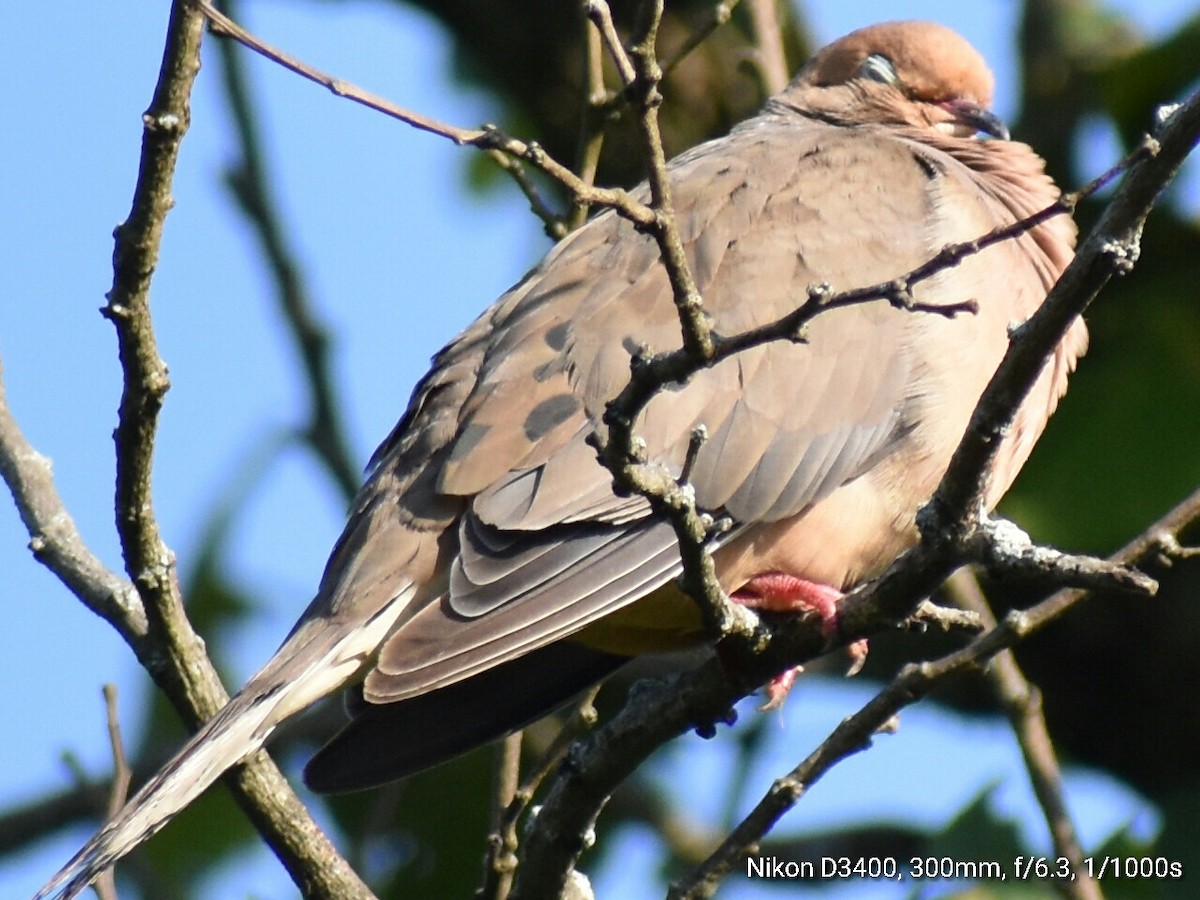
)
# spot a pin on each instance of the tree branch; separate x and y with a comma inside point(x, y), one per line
point(950, 535)
point(158, 631)
point(500, 861)
point(149, 563)
point(913, 682)
point(1022, 703)
point(951, 525)
point(325, 432)
point(600, 16)
point(486, 138)
point(106, 885)
point(769, 59)
point(1111, 249)
point(594, 115)
point(53, 537)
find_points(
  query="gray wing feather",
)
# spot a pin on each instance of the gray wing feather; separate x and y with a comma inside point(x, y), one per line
point(509, 623)
point(788, 423)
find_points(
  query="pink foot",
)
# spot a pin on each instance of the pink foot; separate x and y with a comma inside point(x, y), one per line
point(780, 592)
point(778, 688)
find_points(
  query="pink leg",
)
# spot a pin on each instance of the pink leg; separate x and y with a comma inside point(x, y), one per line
point(780, 592)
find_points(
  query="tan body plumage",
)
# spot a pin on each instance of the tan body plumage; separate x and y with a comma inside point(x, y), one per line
point(487, 560)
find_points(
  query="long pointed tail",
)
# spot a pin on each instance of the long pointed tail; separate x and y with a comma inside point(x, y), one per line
point(318, 658)
point(230, 736)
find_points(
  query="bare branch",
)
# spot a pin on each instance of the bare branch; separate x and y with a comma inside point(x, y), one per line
point(122, 774)
point(697, 333)
point(699, 698)
point(1022, 703)
point(912, 683)
point(946, 618)
point(552, 223)
point(600, 15)
point(53, 537)
point(1171, 550)
point(106, 885)
point(1008, 552)
point(500, 862)
point(591, 123)
point(164, 642)
point(148, 561)
point(223, 25)
point(325, 432)
point(721, 13)
point(486, 138)
point(769, 59)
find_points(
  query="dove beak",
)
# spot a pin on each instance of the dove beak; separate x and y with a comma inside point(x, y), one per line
point(968, 117)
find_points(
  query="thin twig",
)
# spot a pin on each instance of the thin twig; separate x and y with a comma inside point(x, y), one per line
point(591, 122)
point(53, 537)
point(582, 719)
point(486, 138)
point(704, 696)
point(1022, 703)
point(500, 862)
point(912, 683)
point(122, 775)
point(106, 884)
point(1170, 550)
point(722, 11)
point(694, 323)
point(221, 24)
point(769, 59)
point(325, 432)
point(169, 649)
point(552, 222)
point(600, 15)
point(504, 841)
point(946, 618)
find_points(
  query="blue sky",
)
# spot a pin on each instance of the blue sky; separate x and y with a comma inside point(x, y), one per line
point(383, 228)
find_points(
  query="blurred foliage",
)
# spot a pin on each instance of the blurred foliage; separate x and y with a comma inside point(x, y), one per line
point(1124, 447)
point(426, 836)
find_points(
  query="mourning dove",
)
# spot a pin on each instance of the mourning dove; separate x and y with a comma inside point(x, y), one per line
point(488, 571)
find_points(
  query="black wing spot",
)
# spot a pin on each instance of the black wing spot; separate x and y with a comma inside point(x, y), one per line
point(548, 370)
point(466, 441)
point(556, 336)
point(549, 414)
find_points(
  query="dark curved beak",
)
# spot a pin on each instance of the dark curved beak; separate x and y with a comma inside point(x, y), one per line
point(981, 119)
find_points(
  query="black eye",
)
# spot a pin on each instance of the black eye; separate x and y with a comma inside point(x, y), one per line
point(878, 68)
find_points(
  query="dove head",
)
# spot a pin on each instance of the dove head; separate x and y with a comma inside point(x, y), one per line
point(917, 74)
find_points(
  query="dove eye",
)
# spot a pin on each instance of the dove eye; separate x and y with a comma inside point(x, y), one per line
point(879, 68)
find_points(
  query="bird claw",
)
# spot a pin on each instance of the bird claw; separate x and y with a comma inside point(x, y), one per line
point(778, 688)
point(858, 656)
point(780, 592)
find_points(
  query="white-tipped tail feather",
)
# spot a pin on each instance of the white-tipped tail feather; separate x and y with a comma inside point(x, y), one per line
point(314, 662)
point(229, 737)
